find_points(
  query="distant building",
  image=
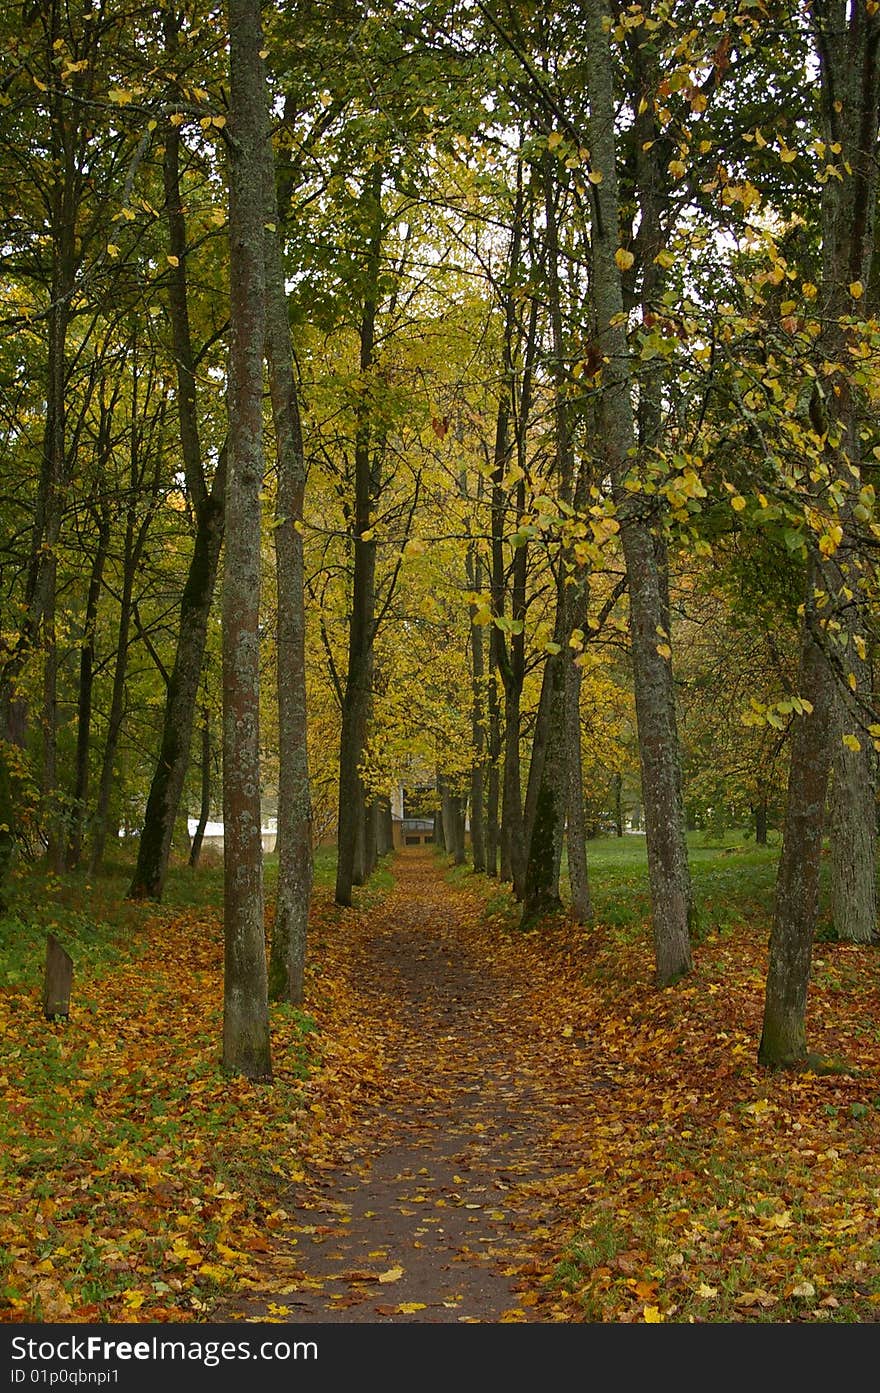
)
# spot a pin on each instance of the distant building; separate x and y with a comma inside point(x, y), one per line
point(213, 837)
point(411, 823)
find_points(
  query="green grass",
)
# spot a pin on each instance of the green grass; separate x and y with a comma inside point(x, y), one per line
point(733, 880)
point(99, 927)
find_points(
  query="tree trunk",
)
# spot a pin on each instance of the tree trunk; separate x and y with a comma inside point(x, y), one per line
point(547, 797)
point(478, 730)
point(163, 802)
point(135, 541)
point(84, 701)
point(447, 814)
point(783, 1038)
point(852, 822)
point(51, 809)
point(847, 41)
point(854, 843)
point(195, 850)
point(576, 831)
point(67, 144)
point(508, 658)
point(386, 827)
point(7, 829)
point(294, 841)
point(492, 789)
point(512, 824)
point(572, 589)
point(650, 642)
point(246, 1048)
point(618, 804)
point(761, 823)
point(371, 837)
point(351, 838)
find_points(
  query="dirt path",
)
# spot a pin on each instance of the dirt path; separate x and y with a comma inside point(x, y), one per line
point(426, 1219)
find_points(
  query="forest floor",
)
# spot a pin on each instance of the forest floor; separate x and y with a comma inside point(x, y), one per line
point(468, 1123)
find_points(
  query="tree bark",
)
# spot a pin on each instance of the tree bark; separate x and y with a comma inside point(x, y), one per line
point(492, 790)
point(80, 792)
point(478, 729)
point(136, 535)
point(195, 850)
point(783, 1037)
point(761, 823)
point(651, 654)
point(246, 1048)
point(508, 656)
point(163, 802)
point(351, 839)
point(294, 843)
point(852, 832)
point(547, 797)
point(618, 804)
point(847, 41)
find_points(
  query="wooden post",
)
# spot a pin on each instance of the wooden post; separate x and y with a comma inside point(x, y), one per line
point(58, 980)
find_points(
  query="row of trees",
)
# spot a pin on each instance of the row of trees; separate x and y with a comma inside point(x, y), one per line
point(563, 338)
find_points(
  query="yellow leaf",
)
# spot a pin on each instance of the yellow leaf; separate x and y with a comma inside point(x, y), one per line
point(782, 1220)
point(664, 650)
point(856, 289)
point(568, 1031)
point(112, 249)
point(676, 168)
point(706, 1291)
point(665, 259)
point(554, 139)
point(173, 260)
point(176, 118)
point(760, 1107)
point(852, 742)
point(406, 1308)
point(737, 503)
point(653, 1315)
point(595, 176)
point(393, 1274)
point(623, 258)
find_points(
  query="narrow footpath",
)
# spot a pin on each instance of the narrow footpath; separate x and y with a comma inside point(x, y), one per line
point(446, 1181)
